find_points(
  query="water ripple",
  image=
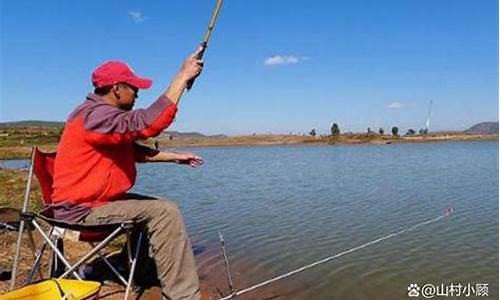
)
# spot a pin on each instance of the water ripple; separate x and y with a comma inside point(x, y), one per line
point(283, 207)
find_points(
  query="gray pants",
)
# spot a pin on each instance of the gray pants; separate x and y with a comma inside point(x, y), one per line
point(168, 240)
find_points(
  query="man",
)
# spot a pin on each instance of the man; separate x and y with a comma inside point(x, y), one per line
point(95, 167)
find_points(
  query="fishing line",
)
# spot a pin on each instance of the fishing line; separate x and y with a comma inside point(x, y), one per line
point(449, 211)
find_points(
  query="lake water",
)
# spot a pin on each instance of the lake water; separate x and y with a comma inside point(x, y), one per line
point(282, 207)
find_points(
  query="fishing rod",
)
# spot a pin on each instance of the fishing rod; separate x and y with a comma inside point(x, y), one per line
point(204, 43)
point(226, 264)
point(235, 293)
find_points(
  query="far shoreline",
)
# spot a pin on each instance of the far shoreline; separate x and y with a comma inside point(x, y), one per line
point(18, 148)
point(282, 140)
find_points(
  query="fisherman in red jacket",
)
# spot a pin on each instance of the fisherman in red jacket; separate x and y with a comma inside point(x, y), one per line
point(95, 167)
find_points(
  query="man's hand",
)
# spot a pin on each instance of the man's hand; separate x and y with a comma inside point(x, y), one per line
point(189, 159)
point(191, 68)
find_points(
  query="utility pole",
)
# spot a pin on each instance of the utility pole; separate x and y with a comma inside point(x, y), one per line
point(428, 122)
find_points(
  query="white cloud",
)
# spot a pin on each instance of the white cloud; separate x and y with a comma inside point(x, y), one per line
point(395, 105)
point(137, 16)
point(283, 60)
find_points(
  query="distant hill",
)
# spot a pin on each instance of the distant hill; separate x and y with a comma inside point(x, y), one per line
point(32, 123)
point(191, 134)
point(484, 128)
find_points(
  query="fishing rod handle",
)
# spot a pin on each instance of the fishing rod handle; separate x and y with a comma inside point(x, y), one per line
point(198, 56)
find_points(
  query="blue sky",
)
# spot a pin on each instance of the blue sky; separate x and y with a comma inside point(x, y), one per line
point(271, 67)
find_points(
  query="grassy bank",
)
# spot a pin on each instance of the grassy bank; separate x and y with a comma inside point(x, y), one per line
point(12, 189)
point(16, 142)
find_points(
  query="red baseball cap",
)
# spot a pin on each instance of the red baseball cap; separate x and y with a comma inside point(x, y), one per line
point(113, 72)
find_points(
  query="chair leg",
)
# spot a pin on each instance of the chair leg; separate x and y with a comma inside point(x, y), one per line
point(132, 268)
point(54, 248)
point(56, 266)
point(36, 265)
point(104, 243)
point(113, 269)
point(33, 248)
point(23, 222)
point(17, 255)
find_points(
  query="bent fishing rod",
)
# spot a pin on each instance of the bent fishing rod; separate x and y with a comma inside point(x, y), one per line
point(234, 293)
point(204, 43)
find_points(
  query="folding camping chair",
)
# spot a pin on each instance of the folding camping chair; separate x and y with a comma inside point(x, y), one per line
point(98, 236)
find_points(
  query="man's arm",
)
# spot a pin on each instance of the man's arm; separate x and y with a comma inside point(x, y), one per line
point(146, 154)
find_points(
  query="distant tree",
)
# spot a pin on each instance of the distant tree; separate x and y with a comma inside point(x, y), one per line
point(312, 132)
point(369, 130)
point(410, 132)
point(381, 131)
point(394, 130)
point(335, 129)
point(422, 131)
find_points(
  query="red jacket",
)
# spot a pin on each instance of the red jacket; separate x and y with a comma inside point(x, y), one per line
point(96, 156)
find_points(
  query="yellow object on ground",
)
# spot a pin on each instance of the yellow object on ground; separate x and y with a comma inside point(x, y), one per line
point(54, 289)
